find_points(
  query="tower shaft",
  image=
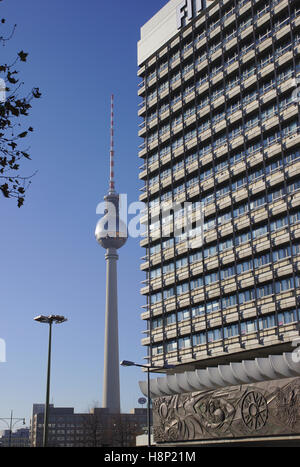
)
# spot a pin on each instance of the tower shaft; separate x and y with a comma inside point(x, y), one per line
point(111, 377)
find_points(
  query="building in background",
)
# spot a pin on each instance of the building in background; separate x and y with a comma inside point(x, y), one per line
point(16, 439)
point(98, 428)
point(219, 88)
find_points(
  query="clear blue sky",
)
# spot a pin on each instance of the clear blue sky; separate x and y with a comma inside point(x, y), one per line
point(79, 53)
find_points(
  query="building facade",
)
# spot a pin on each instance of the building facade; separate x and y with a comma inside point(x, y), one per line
point(16, 439)
point(219, 88)
point(98, 428)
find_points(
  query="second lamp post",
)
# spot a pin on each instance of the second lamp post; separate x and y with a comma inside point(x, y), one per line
point(148, 368)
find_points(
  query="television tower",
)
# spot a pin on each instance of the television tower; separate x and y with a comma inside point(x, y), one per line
point(111, 234)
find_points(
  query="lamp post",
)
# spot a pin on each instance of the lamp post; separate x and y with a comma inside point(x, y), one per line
point(11, 424)
point(48, 320)
point(148, 368)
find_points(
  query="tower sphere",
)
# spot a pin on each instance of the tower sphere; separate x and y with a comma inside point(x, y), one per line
point(111, 232)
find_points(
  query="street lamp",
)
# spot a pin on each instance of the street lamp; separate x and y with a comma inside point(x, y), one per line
point(148, 368)
point(48, 320)
point(11, 424)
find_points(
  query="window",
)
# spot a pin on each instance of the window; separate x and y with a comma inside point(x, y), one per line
point(236, 157)
point(271, 166)
point(171, 345)
point(262, 260)
point(248, 326)
point(240, 210)
point(210, 224)
point(266, 322)
point(155, 298)
point(199, 338)
point(214, 335)
point(210, 251)
point(281, 253)
point(269, 111)
point(192, 158)
point(184, 342)
point(168, 268)
point(290, 128)
point(169, 293)
point(246, 296)
point(182, 288)
point(228, 301)
point(164, 150)
point(239, 183)
point(166, 196)
point(163, 87)
point(176, 99)
point(153, 180)
point(278, 223)
point(189, 112)
point(195, 284)
point(287, 317)
point(264, 290)
point(212, 306)
point(279, 193)
point(296, 248)
point(242, 238)
point(171, 319)
point(257, 202)
point(190, 135)
point(294, 186)
point(181, 263)
point(157, 349)
point(155, 273)
point(168, 243)
point(244, 266)
point(195, 257)
point(284, 284)
point(295, 217)
point(292, 157)
point(250, 122)
point(157, 323)
point(183, 315)
point(253, 148)
point(228, 272)
point(272, 138)
point(177, 143)
point(198, 310)
point(255, 175)
point(231, 331)
point(210, 278)
point(224, 218)
point(221, 165)
point(175, 77)
point(206, 173)
point(259, 231)
point(165, 174)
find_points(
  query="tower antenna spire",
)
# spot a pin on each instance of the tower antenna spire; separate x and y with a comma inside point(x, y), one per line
point(112, 152)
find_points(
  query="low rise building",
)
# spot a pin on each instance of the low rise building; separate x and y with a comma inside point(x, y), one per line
point(98, 428)
point(16, 439)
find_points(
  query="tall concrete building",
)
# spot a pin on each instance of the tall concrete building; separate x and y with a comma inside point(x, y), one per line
point(220, 127)
point(111, 234)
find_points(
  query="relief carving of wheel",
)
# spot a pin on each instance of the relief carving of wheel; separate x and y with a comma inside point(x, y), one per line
point(254, 411)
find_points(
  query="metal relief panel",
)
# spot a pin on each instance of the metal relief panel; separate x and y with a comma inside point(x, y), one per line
point(259, 409)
